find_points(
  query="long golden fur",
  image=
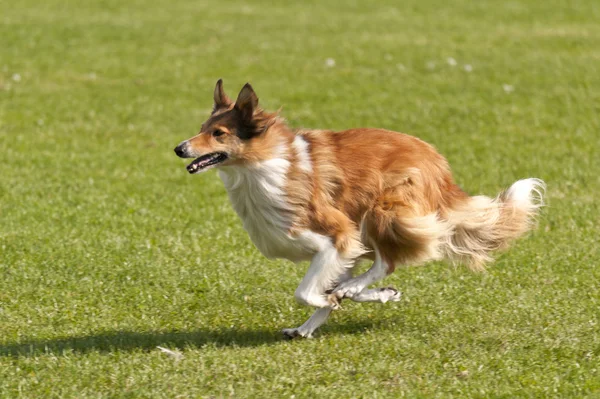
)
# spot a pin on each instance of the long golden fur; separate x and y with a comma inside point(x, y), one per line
point(367, 190)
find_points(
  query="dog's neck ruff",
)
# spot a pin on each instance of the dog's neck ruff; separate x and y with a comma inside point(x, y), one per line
point(258, 195)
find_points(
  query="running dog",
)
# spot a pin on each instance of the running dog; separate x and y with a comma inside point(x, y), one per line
point(334, 198)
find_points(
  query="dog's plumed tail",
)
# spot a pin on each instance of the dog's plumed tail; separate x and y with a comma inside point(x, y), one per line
point(482, 225)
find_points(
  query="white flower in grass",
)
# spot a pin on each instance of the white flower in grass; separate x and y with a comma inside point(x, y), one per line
point(430, 65)
point(401, 67)
point(16, 77)
point(330, 62)
point(468, 68)
point(451, 61)
point(508, 88)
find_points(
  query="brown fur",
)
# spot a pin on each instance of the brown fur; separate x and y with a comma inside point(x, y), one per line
point(394, 189)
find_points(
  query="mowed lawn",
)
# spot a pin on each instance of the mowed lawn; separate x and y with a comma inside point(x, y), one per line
point(108, 248)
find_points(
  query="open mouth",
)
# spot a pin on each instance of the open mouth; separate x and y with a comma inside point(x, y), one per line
point(205, 162)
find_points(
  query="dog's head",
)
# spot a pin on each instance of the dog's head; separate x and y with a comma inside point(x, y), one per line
point(232, 135)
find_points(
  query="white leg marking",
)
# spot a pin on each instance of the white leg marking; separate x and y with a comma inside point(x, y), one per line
point(327, 268)
point(351, 288)
point(305, 330)
point(380, 295)
point(316, 320)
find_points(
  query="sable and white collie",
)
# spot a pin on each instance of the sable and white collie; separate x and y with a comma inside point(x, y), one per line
point(336, 197)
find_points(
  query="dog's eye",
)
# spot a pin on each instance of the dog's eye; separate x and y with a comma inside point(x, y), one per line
point(218, 133)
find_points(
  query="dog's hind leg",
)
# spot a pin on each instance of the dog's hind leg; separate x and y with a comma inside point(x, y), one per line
point(397, 235)
point(354, 288)
point(379, 295)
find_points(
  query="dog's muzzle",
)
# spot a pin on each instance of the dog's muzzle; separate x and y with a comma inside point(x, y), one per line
point(182, 150)
point(201, 163)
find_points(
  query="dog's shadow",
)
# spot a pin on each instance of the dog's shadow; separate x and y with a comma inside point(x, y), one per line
point(130, 340)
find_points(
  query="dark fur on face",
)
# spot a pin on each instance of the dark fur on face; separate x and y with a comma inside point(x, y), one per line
point(235, 133)
point(244, 118)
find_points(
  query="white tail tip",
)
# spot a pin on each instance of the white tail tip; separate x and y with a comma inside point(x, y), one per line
point(529, 192)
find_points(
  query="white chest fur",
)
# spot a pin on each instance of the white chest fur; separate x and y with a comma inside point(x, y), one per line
point(258, 196)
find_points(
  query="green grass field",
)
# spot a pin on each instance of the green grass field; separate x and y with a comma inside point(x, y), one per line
point(108, 248)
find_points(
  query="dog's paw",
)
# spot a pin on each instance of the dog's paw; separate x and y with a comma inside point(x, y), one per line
point(344, 291)
point(291, 333)
point(340, 292)
point(389, 294)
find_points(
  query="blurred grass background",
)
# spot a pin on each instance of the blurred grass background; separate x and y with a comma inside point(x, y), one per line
point(108, 248)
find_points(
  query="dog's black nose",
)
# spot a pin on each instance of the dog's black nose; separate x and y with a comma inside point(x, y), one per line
point(180, 150)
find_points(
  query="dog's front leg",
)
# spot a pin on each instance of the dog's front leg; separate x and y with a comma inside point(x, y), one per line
point(327, 269)
point(305, 330)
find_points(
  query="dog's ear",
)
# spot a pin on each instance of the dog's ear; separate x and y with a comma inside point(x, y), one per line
point(247, 102)
point(221, 99)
